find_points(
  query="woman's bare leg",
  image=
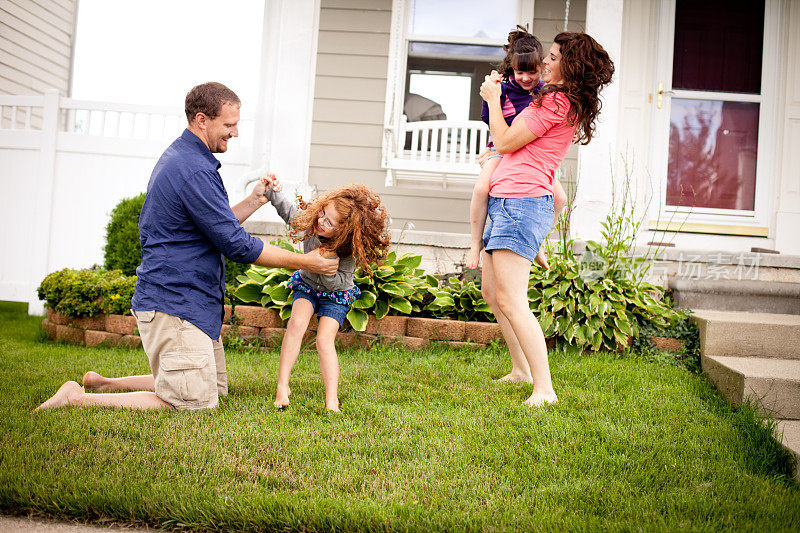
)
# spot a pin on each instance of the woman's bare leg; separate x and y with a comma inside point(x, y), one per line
point(328, 360)
point(520, 369)
point(93, 381)
point(512, 299)
point(302, 311)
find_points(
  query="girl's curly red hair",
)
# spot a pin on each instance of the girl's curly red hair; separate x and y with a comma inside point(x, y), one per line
point(363, 227)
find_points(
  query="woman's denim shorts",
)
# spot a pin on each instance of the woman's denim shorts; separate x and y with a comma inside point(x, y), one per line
point(518, 224)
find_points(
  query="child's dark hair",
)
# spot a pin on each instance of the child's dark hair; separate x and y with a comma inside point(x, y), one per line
point(364, 225)
point(586, 69)
point(523, 52)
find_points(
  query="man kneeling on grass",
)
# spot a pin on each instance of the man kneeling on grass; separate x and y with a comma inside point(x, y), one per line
point(185, 225)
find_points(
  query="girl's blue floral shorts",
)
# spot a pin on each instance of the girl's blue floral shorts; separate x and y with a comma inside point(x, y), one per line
point(331, 304)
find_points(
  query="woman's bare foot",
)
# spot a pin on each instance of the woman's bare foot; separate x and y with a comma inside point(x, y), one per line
point(282, 396)
point(538, 399)
point(473, 257)
point(517, 377)
point(332, 406)
point(66, 395)
point(94, 382)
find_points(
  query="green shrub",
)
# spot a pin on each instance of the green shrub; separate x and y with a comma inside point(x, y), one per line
point(122, 251)
point(85, 293)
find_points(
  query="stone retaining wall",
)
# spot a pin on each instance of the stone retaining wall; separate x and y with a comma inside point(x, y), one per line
point(259, 325)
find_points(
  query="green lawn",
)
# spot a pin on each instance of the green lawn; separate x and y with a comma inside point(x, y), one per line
point(426, 441)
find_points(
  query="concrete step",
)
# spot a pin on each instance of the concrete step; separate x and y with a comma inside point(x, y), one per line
point(774, 383)
point(737, 295)
point(741, 334)
point(788, 434)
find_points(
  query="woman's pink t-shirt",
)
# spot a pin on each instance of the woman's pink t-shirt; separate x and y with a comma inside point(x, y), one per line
point(530, 171)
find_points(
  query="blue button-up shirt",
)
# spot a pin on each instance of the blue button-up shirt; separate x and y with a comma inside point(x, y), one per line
point(185, 225)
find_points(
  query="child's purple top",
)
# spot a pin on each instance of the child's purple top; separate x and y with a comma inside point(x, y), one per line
point(513, 99)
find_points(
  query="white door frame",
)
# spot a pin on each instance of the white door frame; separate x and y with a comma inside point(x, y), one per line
point(760, 221)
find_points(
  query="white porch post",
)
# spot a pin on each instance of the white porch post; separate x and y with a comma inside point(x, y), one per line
point(42, 215)
point(282, 138)
point(595, 178)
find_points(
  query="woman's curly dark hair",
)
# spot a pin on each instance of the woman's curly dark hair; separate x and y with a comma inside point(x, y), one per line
point(363, 226)
point(523, 52)
point(585, 69)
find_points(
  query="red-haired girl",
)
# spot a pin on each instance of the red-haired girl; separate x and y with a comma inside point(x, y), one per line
point(351, 223)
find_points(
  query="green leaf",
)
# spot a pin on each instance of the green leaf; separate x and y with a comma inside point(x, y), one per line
point(400, 304)
point(384, 271)
point(358, 319)
point(391, 288)
point(410, 260)
point(248, 292)
point(280, 294)
point(255, 276)
point(366, 300)
point(381, 309)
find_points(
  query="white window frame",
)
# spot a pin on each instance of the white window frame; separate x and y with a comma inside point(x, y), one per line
point(454, 168)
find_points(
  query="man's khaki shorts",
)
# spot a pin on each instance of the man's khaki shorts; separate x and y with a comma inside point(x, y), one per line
point(188, 367)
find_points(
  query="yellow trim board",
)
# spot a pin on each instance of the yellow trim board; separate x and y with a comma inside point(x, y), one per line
point(718, 229)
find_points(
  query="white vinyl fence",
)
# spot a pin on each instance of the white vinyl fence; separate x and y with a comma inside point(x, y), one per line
point(64, 165)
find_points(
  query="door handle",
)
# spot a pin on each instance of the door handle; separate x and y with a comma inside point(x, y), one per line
point(660, 95)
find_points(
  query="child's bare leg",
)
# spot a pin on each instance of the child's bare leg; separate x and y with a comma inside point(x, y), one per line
point(302, 311)
point(328, 360)
point(477, 211)
point(559, 202)
point(95, 382)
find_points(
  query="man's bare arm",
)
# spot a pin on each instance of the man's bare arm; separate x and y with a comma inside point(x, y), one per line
point(272, 256)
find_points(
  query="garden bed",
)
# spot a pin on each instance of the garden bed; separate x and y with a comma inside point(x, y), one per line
point(259, 325)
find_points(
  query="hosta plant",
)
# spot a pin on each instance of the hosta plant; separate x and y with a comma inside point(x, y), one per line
point(267, 286)
point(397, 287)
point(460, 300)
point(591, 311)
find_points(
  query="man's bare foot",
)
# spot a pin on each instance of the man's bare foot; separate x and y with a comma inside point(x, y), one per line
point(541, 259)
point(66, 395)
point(332, 406)
point(515, 377)
point(282, 396)
point(538, 400)
point(94, 382)
point(473, 257)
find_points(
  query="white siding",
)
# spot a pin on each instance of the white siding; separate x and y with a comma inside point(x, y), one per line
point(36, 42)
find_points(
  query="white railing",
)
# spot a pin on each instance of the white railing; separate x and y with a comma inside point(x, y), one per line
point(100, 119)
point(437, 151)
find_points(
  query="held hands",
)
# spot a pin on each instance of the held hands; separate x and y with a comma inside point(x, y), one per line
point(490, 88)
point(320, 264)
point(266, 182)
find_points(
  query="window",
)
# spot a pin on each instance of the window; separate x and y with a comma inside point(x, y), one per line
point(439, 55)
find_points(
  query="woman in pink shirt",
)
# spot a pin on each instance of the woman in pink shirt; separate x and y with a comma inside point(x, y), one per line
point(521, 192)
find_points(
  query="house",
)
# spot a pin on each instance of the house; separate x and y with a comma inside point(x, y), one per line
point(705, 108)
